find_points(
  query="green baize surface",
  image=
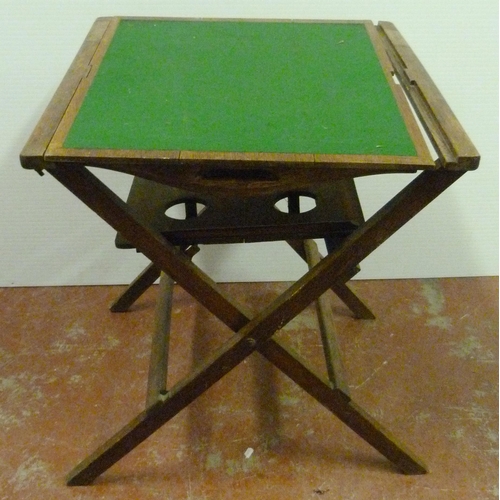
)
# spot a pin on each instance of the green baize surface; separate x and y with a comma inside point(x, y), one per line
point(239, 86)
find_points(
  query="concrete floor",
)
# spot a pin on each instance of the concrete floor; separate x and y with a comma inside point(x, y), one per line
point(72, 373)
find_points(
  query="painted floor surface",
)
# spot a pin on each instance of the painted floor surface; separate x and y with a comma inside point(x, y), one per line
point(72, 374)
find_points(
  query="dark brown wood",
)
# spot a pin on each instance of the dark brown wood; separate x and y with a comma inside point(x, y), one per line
point(343, 292)
point(333, 360)
point(97, 196)
point(231, 219)
point(250, 178)
point(452, 143)
point(218, 364)
point(340, 288)
point(352, 301)
point(253, 334)
point(136, 289)
point(158, 364)
point(341, 405)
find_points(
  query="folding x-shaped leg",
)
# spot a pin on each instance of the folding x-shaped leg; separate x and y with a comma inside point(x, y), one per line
point(151, 274)
point(251, 333)
point(158, 369)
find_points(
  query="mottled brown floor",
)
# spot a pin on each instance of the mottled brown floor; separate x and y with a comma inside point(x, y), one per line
point(72, 373)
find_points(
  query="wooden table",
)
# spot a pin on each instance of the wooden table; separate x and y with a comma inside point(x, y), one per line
point(247, 109)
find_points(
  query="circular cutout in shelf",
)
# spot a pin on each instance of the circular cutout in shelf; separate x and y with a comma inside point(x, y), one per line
point(186, 209)
point(296, 203)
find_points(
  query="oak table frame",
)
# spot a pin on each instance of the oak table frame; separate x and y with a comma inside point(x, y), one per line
point(252, 173)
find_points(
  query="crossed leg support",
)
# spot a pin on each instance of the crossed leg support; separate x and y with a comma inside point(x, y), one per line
point(151, 273)
point(255, 333)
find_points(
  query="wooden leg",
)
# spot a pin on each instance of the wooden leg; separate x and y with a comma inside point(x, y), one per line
point(230, 354)
point(252, 334)
point(331, 350)
point(343, 292)
point(136, 289)
point(341, 405)
point(352, 301)
point(174, 262)
point(158, 365)
point(145, 280)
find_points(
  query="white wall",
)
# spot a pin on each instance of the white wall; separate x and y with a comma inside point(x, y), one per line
point(47, 237)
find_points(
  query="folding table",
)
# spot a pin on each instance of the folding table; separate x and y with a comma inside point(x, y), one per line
point(238, 114)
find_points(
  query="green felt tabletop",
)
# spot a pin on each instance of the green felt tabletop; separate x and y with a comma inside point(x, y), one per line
point(276, 87)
